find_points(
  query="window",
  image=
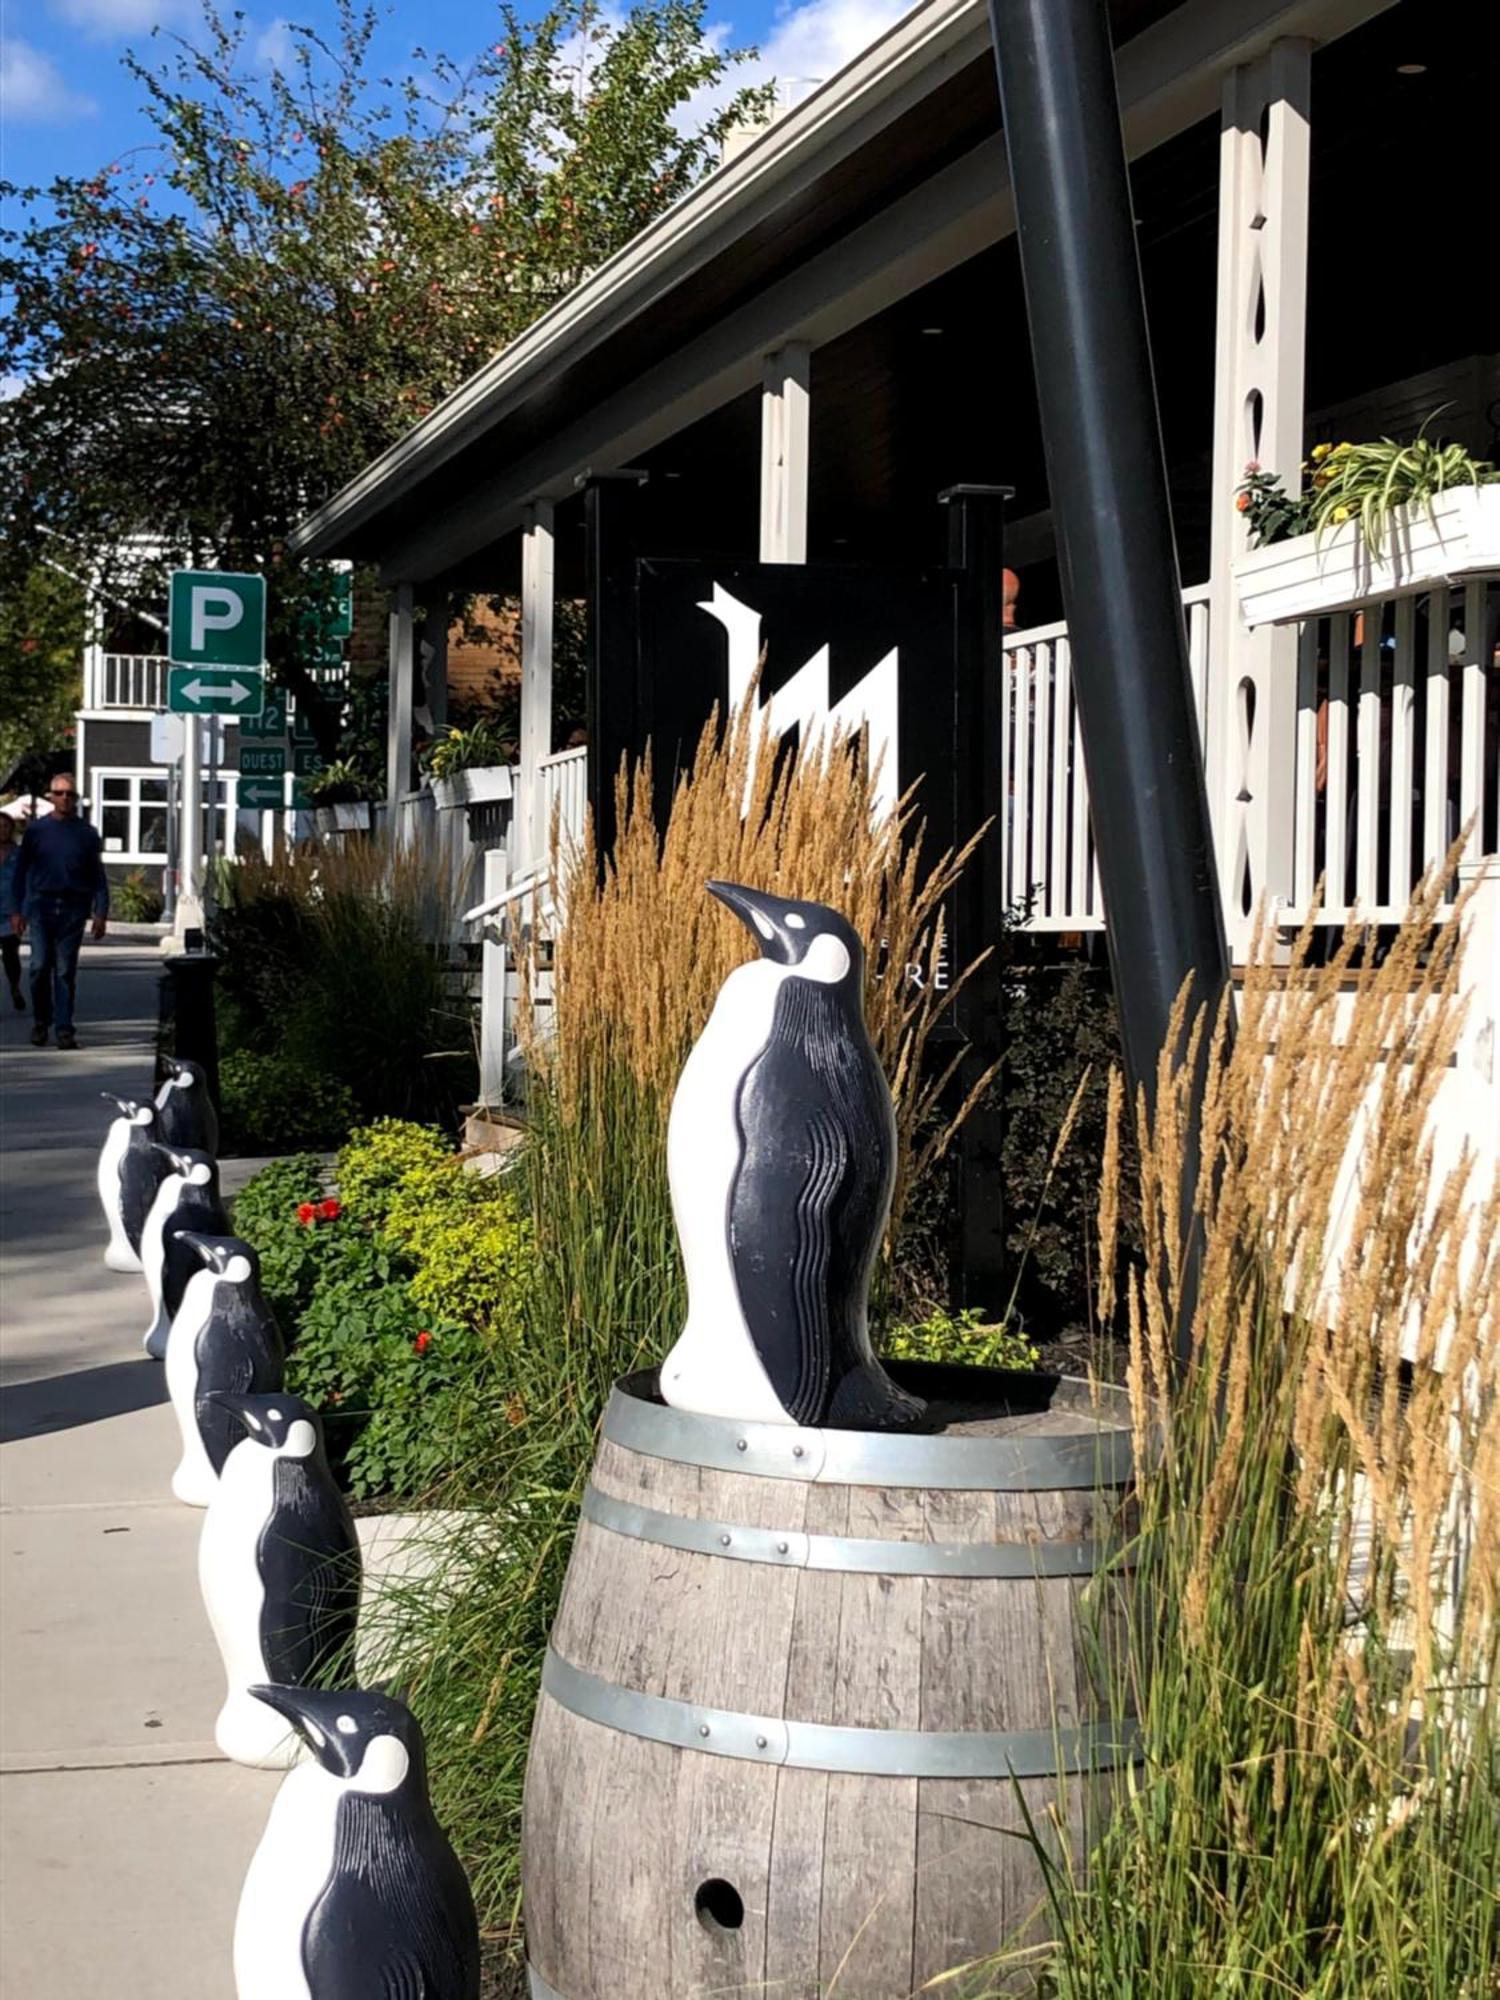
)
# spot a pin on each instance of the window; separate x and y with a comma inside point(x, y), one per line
point(130, 811)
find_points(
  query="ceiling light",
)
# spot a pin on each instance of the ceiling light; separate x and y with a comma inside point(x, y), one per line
point(1411, 69)
point(933, 329)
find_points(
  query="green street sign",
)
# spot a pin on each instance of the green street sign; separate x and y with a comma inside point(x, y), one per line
point(272, 719)
point(215, 690)
point(300, 801)
point(262, 794)
point(262, 760)
point(306, 763)
point(302, 732)
point(217, 619)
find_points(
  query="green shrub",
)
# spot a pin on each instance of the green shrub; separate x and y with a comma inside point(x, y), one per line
point(964, 1338)
point(376, 1159)
point(267, 1213)
point(136, 900)
point(275, 1104)
point(470, 1243)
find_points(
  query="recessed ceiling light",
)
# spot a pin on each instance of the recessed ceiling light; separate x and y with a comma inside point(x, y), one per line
point(933, 329)
point(1411, 69)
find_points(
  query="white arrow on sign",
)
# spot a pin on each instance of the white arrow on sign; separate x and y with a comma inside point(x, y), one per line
point(235, 690)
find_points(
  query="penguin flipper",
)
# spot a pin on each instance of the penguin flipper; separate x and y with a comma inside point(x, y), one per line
point(396, 1919)
point(310, 1567)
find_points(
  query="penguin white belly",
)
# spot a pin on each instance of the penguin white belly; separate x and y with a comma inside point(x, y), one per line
point(118, 1254)
point(234, 1596)
point(287, 1874)
point(152, 1255)
point(714, 1368)
point(194, 1481)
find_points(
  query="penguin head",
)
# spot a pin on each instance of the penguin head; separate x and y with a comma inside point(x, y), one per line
point(284, 1424)
point(197, 1169)
point(367, 1740)
point(182, 1073)
point(226, 1256)
point(129, 1110)
point(808, 938)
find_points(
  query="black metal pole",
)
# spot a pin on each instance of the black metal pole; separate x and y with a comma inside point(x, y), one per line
point(1107, 474)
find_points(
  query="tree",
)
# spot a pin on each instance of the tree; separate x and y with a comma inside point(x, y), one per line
point(217, 335)
point(41, 628)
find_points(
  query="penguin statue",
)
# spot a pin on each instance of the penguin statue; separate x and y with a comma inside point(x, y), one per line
point(279, 1568)
point(354, 1892)
point(129, 1174)
point(224, 1336)
point(188, 1198)
point(781, 1154)
point(185, 1113)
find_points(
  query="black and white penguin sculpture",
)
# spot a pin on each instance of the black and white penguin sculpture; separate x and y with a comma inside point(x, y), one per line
point(185, 1113)
point(129, 1175)
point(224, 1336)
point(354, 1892)
point(188, 1198)
point(781, 1153)
point(279, 1568)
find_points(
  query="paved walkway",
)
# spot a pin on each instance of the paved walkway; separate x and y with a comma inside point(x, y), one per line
point(123, 1836)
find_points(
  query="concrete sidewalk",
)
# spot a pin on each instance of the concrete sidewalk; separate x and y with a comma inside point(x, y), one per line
point(124, 1837)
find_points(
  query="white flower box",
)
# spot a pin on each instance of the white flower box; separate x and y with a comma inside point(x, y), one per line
point(448, 792)
point(1455, 537)
point(352, 817)
point(488, 783)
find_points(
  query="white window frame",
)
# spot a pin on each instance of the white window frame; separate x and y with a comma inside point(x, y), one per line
point(134, 775)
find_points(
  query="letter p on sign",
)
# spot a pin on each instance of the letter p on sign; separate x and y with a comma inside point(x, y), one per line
point(217, 620)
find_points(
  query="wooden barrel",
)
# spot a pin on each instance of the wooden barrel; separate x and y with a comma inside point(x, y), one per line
point(802, 1684)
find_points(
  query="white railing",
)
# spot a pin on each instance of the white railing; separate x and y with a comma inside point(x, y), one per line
point(1048, 843)
point(1398, 720)
point(565, 790)
point(1394, 749)
point(126, 680)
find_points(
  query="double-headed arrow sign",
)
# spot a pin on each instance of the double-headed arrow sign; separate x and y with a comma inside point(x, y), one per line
point(215, 691)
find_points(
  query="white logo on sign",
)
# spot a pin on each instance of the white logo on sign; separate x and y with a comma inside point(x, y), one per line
point(870, 703)
point(213, 610)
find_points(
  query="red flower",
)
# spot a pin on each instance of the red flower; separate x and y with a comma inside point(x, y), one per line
point(1243, 503)
point(422, 1342)
point(330, 1210)
point(307, 1213)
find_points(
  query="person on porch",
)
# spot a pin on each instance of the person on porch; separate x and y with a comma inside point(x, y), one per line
point(59, 882)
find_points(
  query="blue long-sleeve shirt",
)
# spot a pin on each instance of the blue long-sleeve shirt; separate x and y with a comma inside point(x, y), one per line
point(62, 857)
point(10, 860)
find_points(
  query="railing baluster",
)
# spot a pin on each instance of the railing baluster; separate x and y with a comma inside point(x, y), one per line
point(1471, 754)
point(1020, 777)
point(1305, 798)
point(1007, 754)
point(1042, 670)
point(1367, 771)
point(1403, 750)
point(1079, 903)
point(1336, 783)
point(1057, 816)
point(1435, 778)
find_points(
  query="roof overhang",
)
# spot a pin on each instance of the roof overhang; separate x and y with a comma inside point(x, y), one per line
point(1170, 76)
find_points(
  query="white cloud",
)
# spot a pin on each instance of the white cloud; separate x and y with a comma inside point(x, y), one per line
point(33, 89)
point(806, 46)
point(273, 47)
point(104, 19)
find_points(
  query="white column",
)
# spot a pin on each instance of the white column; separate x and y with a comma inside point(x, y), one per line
point(1251, 725)
point(398, 720)
point(785, 415)
point(190, 827)
point(530, 823)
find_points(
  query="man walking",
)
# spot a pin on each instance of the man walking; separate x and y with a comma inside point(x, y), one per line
point(59, 880)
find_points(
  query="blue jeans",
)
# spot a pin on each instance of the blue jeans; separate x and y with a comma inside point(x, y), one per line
point(57, 926)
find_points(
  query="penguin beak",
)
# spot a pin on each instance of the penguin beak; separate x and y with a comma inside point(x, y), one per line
point(209, 1248)
point(238, 1407)
point(764, 916)
point(315, 1714)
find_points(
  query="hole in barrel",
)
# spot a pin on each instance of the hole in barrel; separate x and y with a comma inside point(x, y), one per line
point(719, 1905)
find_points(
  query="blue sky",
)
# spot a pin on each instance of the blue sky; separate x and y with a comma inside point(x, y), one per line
point(67, 107)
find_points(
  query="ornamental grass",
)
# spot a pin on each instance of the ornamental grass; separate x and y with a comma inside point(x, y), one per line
point(1313, 1641)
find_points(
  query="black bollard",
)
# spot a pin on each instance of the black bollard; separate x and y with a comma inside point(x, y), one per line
point(188, 1013)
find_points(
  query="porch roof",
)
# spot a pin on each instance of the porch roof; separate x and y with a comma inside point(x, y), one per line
point(889, 175)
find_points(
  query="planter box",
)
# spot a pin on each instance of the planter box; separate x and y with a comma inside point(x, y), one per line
point(488, 783)
point(353, 817)
point(1458, 536)
point(325, 819)
point(448, 792)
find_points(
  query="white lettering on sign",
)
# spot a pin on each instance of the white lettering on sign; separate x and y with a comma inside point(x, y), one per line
point(213, 610)
point(870, 703)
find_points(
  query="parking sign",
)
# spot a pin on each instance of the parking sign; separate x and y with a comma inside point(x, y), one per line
point(217, 619)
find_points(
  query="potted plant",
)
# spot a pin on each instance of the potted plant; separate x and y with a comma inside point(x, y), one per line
point(1372, 520)
point(341, 795)
point(469, 766)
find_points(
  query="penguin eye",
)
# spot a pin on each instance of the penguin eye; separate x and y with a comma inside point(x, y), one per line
point(347, 1726)
point(794, 922)
point(274, 1415)
point(762, 924)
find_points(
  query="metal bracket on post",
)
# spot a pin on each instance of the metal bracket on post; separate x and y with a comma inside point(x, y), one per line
point(976, 551)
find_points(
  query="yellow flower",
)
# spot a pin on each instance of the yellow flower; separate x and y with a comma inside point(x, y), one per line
point(1340, 514)
point(1320, 452)
point(1345, 446)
